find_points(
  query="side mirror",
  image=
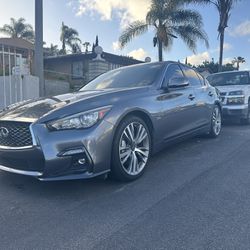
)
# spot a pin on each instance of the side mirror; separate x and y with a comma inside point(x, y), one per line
point(178, 82)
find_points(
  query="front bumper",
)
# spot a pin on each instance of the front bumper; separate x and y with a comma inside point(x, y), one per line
point(240, 111)
point(56, 155)
point(22, 172)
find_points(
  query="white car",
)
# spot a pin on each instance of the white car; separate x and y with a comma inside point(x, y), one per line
point(234, 87)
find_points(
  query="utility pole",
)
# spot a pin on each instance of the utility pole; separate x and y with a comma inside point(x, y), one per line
point(39, 68)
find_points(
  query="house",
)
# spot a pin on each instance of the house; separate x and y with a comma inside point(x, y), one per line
point(80, 68)
point(17, 52)
point(17, 58)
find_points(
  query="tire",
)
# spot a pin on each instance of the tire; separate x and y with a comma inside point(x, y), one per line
point(246, 121)
point(131, 149)
point(216, 122)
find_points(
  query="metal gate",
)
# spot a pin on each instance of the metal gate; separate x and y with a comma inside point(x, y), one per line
point(11, 67)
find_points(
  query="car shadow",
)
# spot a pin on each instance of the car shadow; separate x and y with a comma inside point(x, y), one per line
point(232, 122)
point(73, 189)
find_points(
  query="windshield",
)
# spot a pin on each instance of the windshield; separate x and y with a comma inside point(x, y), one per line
point(128, 77)
point(232, 78)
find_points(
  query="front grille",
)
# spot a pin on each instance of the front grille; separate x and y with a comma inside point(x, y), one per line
point(223, 93)
point(15, 134)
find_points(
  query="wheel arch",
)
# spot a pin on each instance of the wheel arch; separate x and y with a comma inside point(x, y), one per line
point(141, 114)
point(218, 103)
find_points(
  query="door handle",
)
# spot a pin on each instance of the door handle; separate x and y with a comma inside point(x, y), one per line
point(210, 93)
point(191, 97)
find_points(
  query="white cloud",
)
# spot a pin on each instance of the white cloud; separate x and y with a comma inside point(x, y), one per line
point(199, 58)
point(243, 29)
point(126, 10)
point(139, 54)
point(227, 46)
point(116, 46)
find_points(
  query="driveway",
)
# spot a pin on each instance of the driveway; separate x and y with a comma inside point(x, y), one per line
point(194, 195)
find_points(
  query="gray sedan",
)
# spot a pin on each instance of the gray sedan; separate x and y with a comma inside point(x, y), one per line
point(112, 125)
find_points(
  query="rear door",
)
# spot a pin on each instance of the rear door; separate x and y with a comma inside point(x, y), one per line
point(201, 109)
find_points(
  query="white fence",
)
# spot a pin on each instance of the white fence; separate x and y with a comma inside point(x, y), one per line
point(16, 83)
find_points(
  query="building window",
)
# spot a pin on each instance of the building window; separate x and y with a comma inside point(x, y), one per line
point(77, 70)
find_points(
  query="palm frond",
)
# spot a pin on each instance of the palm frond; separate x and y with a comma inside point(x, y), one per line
point(186, 16)
point(72, 41)
point(18, 28)
point(7, 30)
point(134, 29)
point(190, 35)
point(29, 35)
point(192, 1)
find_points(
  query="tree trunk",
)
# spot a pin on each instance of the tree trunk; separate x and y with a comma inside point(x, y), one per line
point(221, 49)
point(63, 46)
point(160, 50)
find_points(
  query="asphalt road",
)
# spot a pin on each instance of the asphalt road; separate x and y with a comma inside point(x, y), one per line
point(195, 195)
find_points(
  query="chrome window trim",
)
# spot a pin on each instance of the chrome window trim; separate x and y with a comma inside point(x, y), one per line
point(164, 73)
point(166, 69)
point(22, 172)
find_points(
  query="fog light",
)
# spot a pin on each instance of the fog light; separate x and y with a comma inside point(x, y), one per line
point(71, 152)
point(82, 161)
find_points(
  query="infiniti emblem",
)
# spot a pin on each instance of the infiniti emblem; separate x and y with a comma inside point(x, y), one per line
point(4, 132)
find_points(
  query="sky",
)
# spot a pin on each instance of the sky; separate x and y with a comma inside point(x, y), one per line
point(108, 18)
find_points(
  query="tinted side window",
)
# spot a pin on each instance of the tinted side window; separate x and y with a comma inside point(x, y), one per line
point(173, 71)
point(192, 76)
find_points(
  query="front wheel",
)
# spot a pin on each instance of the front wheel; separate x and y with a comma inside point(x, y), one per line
point(131, 149)
point(216, 122)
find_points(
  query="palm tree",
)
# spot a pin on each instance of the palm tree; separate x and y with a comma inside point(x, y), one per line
point(69, 37)
point(86, 45)
point(76, 48)
point(224, 8)
point(169, 20)
point(18, 29)
point(238, 60)
point(52, 50)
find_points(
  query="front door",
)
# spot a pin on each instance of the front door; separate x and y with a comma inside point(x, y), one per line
point(178, 106)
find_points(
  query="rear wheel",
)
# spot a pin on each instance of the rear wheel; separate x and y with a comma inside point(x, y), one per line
point(216, 122)
point(131, 149)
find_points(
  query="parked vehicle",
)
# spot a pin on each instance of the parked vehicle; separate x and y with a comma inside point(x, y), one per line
point(113, 124)
point(234, 87)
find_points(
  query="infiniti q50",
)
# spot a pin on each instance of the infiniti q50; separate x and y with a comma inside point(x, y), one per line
point(112, 125)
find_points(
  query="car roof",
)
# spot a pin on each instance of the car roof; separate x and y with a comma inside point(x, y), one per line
point(156, 63)
point(233, 71)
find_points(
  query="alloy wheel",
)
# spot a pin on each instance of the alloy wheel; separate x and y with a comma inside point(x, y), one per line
point(134, 148)
point(216, 121)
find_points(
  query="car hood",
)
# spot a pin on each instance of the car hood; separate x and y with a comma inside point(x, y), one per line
point(32, 110)
point(228, 88)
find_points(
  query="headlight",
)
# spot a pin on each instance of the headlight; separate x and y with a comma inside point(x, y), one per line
point(238, 92)
point(80, 120)
point(235, 100)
